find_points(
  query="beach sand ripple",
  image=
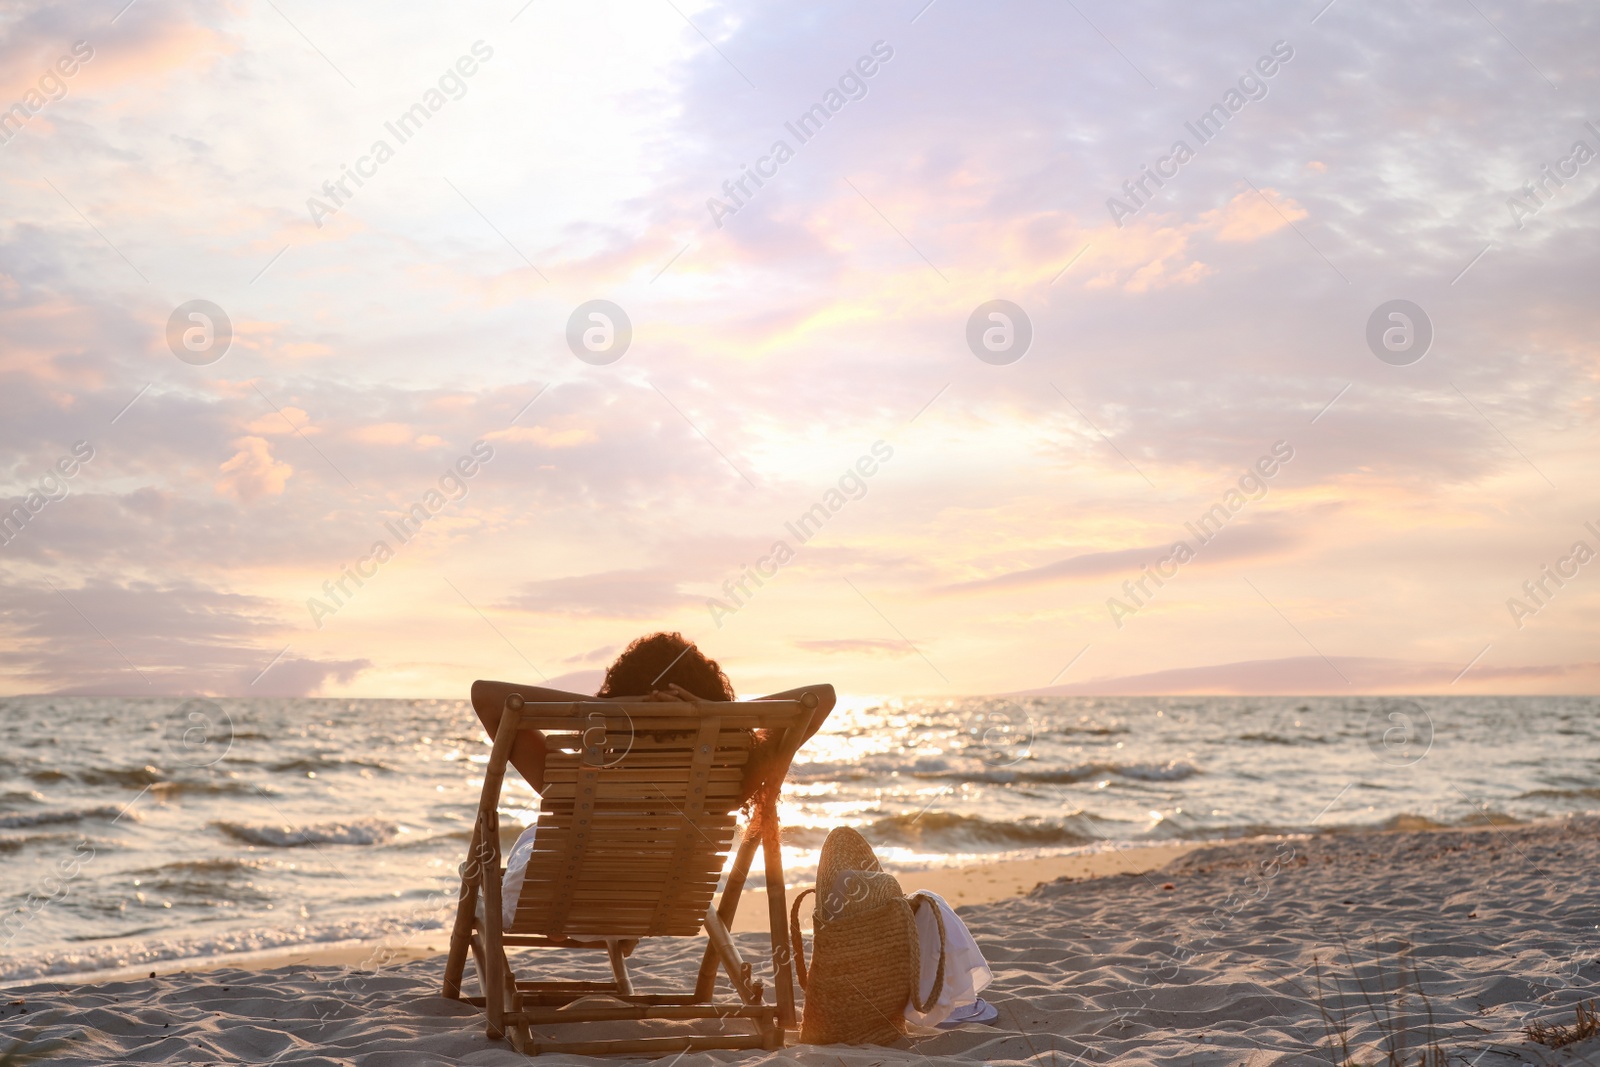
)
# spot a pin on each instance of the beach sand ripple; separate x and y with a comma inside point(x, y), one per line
point(1459, 938)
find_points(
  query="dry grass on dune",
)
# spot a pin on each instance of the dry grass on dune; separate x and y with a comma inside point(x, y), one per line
point(1555, 1036)
point(1388, 1008)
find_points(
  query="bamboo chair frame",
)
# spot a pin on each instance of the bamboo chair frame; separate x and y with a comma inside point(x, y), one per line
point(693, 780)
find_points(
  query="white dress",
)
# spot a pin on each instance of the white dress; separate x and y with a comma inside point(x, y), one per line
point(516, 872)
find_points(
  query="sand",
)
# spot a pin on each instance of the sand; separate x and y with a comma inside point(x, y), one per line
point(1214, 958)
point(973, 884)
point(988, 882)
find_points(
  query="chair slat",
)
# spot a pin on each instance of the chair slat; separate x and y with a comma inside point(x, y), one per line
point(656, 722)
point(655, 855)
point(730, 741)
point(641, 894)
point(659, 790)
point(650, 773)
point(642, 842)
point(653, 869)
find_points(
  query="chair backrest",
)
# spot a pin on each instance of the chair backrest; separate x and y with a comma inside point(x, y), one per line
point(639, 811)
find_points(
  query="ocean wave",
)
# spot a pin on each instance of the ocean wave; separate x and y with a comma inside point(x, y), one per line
point(215, 883)
point(225, 787)
point(57, 818)
point(219, 865)
point(355, 832)
point(1585, 793)
point(19, 798)
point(17, 844)
point(1268, 738)
point(1477, 820)
point(1408, 821)
point(453, 841)
point(390, 931)
point(839, 772)
point(122, 777)
point(945, 831)
point(301, 764)
point(1170, 771)
point(133, 778)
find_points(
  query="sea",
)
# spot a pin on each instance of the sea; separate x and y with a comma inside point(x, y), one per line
point(143, 831)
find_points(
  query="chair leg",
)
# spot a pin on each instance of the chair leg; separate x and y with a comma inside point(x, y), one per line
point(494, 995)
point(619, 968)
point(517, 1031)
point(486, 831)
point(771, 1034)
point(748, 988)
point(498, 982)
point(705, 985)
point(461, 935)
point(480, 962)
point(778, 919)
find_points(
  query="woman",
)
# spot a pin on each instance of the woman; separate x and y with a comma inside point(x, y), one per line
point(658, 666)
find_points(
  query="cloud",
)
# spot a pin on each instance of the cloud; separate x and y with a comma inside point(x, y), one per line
point(301, 676)
point(287, 420)
point(1250, 216)
point(852, 646)
point(544, 436)
point(594, 655)
point(253, 472)
point(1338, 675)
point(145, 638)
point(384, 433)
point(292, 676)
point(1082, 565)
point(577, 681)
point(1243, 541)
point(166, 38)
point(621, 594)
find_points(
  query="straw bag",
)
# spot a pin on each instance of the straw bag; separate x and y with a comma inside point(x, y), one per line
point(866, 962)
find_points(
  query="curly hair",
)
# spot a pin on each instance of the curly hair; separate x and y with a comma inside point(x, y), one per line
point(656, 660)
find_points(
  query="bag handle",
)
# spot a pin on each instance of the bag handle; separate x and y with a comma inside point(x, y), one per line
point(919, 1003)
point(798, 941)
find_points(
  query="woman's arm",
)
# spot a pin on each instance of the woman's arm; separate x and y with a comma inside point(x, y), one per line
point(527, 753)
point(825, 701)
point(824, 694)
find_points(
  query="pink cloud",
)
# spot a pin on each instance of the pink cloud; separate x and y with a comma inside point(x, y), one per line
point(253, 472)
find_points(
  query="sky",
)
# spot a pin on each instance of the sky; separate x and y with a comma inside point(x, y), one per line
point(397, 220)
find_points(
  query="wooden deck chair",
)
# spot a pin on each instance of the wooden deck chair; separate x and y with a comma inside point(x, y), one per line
point(634, 828)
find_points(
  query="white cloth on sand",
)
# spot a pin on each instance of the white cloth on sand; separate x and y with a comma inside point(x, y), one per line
point(966, 973)
point(979, 1011)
